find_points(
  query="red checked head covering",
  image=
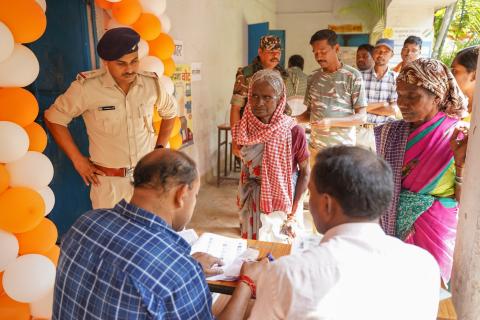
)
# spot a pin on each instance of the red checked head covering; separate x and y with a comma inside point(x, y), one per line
point(276, 190)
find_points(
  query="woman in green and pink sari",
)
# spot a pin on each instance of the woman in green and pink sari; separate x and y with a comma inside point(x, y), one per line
point(427, 153)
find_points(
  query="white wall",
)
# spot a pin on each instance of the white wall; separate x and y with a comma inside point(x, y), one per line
point(214, 32)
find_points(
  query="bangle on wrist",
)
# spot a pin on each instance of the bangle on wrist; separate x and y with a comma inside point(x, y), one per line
point(248, 281)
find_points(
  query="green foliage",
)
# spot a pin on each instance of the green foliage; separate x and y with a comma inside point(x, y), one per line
point(464, 30)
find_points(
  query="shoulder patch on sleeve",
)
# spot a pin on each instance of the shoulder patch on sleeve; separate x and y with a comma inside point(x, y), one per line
point(83, 76)
point(148, 74)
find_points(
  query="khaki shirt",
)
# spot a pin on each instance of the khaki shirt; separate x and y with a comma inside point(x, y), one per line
point(119, 126)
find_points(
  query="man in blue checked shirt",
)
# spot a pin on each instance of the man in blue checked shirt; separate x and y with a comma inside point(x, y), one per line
point(128, 262)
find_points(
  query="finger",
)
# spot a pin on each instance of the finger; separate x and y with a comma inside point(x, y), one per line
point(87, 183)
point(95, 179)
point(213, 271)
point(99, 172)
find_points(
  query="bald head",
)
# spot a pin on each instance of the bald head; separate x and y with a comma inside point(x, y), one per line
point(163, 169)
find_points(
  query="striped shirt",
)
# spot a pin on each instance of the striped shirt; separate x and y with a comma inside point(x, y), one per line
point(127, 263)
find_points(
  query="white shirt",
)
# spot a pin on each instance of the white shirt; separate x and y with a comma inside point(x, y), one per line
point(356, 272)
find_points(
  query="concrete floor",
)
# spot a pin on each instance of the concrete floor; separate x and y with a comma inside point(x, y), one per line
point(216, 210)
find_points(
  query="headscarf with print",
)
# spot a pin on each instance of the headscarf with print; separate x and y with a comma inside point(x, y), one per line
point(276, 193)
point(434, 76)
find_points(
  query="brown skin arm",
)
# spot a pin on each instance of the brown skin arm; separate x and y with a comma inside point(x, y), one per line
point(234, 118)
point(237, 305)
point(301, 185)
point(82, 164)
point(166, 127)
point(357, 119)
point(381, 109)
point(458, 144)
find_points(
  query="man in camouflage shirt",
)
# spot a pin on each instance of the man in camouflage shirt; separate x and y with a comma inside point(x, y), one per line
point(335, 97)
point(269, 54)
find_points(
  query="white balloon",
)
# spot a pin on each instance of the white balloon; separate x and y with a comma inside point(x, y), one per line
point(112, 24)
point(33, 170)
point(43, 4)
point(143, 49)
point(13, 142)
point(20, 68)
point(29, 278)
point(166, 24)
point(43, 307)
point(168, 84)
point(157, 7)
point(6, 42)
point(48, 198)
point(8, 249)
point(153, 64)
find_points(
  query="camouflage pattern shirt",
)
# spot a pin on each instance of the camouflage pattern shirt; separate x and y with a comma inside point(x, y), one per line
point(242, 81)
point(334, 95)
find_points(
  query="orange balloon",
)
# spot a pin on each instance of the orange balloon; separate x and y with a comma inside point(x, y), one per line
point(170, 67)
point(13, 310)
point(21, 209)
point(37, 137)
point(104, 4)
point(177, 124)
point(157, 121)
point(25, 19)
point(38, 240)
point(162, 46)
point(148, 26)
point(18, 105)
point(176, 142)
point(53, 254)
point(4, 178)
point(126, 11)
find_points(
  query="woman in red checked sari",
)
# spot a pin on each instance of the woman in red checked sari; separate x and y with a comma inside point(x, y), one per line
point(275, 168)
point(427, 153)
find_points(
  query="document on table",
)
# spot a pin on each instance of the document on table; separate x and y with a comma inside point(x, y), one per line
point(233, 253)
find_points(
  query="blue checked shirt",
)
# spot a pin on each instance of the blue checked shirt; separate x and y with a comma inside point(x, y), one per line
point(383, 90)
point(127, 263)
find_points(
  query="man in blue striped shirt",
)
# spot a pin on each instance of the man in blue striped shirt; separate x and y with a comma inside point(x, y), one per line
point(128, 262)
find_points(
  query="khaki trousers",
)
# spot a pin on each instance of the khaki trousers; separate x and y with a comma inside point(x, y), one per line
point(110, 191)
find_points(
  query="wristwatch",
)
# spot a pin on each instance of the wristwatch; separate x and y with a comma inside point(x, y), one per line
point(159, 146)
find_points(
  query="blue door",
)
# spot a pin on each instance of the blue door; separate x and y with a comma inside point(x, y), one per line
point(255, 32)
point(63, 51)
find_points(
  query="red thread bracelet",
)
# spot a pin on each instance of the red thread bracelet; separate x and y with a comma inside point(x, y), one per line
point(247, 280)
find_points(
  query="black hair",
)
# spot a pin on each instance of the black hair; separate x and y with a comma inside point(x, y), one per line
point(414, 40)
point(296, 61)
point(325, 34)
point(367, 47)
point(171, 168)
point(357, 178)
point(468, 58)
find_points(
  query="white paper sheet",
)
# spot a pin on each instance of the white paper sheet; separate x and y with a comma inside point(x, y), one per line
point(232, 252)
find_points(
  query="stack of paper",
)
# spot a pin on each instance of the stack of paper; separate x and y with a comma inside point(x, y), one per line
point(233, 252)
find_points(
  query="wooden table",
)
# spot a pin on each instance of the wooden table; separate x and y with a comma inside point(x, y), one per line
point(446, 310)
point(276, 249)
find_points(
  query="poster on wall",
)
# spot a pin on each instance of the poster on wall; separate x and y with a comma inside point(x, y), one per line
point(400, 34)
point(182, 81)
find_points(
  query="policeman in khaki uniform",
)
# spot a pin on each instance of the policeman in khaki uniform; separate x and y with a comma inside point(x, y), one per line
point(269, 54)
point(117, 105)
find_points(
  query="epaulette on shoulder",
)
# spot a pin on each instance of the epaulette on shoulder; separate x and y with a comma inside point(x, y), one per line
point(83, 76)
point(149, 74)
point(248, 71)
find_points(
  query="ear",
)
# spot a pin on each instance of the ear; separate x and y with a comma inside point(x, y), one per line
point(259, 51)
point(328, 206)
point(180, 193)
point(473, 76)
point(337, 48)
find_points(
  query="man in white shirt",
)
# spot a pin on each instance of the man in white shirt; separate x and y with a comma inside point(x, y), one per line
point(356, 272)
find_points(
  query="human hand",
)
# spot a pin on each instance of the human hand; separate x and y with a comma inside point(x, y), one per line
point(458, 144)
point(209, 263)
point(87, 170)
point(253, 269)
point(236, 149)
